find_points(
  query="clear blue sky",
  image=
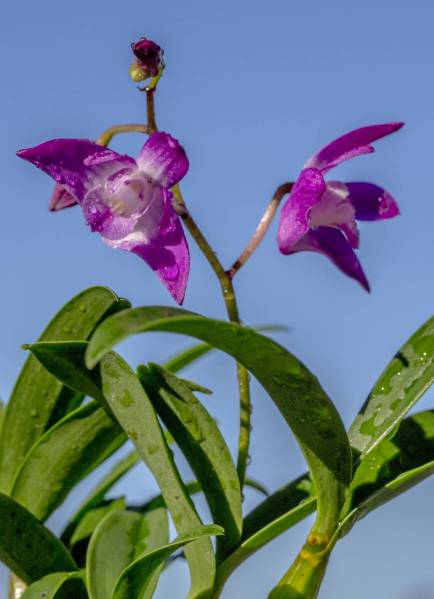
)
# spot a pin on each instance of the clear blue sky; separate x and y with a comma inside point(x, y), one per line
point(252, 88)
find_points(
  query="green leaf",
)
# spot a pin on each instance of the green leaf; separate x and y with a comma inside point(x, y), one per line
point(401, 385)
point(27, 548)
point(65, 361)
point(60, 585)
point(204, 447)
point(92, 518)
point(273, 516)
point(133, 409)
point(135, 580)
point(296, 392)
point(119, 539)
point(394, 466)
point(97, 495)
point(37, 394)
point(187, 356)
point(63, 456)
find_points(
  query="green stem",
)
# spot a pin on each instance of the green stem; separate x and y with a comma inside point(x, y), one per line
point(229, 298)
point(304, 577)
point(105, 138)
point(233, 314)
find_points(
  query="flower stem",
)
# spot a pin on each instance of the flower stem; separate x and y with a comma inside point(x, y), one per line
point(105, 138)
point(233, 314)
point(229, 298)
point(261, 229)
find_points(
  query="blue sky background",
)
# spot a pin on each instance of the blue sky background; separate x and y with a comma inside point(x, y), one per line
point(251, 89)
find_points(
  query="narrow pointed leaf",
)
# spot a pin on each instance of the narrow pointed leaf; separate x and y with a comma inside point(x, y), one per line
point(187, 357)
point(37, 394)
point(273, 516)
point(133, 409)
point(401, 385)
point(63, 456)
point(203, 445)
point(303, 403)
point(93, 517)
point(64, 360)
point(192, 354)
point(60, 585)
point(97, 495)
point(393, 467)
point(138, 576)
point(27, 548)
point(117, 541)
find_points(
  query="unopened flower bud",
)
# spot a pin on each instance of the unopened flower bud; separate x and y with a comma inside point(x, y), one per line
point(149, 59)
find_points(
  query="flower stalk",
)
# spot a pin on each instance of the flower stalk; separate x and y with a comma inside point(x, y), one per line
point(261, 229)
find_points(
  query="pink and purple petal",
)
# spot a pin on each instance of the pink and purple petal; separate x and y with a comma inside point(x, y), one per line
point(158, 238)
point(335, 210)
point(350, 145)
point(295, 216)
point(163, 159)
point(60, 199)
point(333, 244)
point(371, 202)
point(76, 164)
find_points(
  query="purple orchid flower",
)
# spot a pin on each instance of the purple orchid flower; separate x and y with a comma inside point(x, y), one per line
point(127, 201)
point(321, 217)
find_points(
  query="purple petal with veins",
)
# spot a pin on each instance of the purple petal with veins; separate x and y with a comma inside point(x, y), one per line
point(335, 210)
point(350, 145)
point(158, 238)
point(371, 202)
point(163, 159)
point(294, 218)
point(333, 244)
point(77, 164)
point(128, 203)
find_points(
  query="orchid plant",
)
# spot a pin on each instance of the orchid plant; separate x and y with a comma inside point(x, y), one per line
point(52, 437)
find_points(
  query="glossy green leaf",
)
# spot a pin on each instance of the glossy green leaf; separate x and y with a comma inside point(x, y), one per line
point(303, 403)
point(117, 541)
point(37, 394)
point(97, 495)
point(27, 548)
point(273, 516)
point(63, 456)
point(60, 585)
point(401, 385)
point(65, 361)
point(93, 517)
point(136, 578)
point(133, 409)
point(394, 466)
point(204, 447)
point(187, 356)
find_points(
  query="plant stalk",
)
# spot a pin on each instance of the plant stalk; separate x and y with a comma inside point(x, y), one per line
point(229, 298)
point(105, 138)
point(261, 229)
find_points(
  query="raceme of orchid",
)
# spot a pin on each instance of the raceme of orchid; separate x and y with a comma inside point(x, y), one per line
point(51, 439)
point(127, 201)
point(321, 216)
